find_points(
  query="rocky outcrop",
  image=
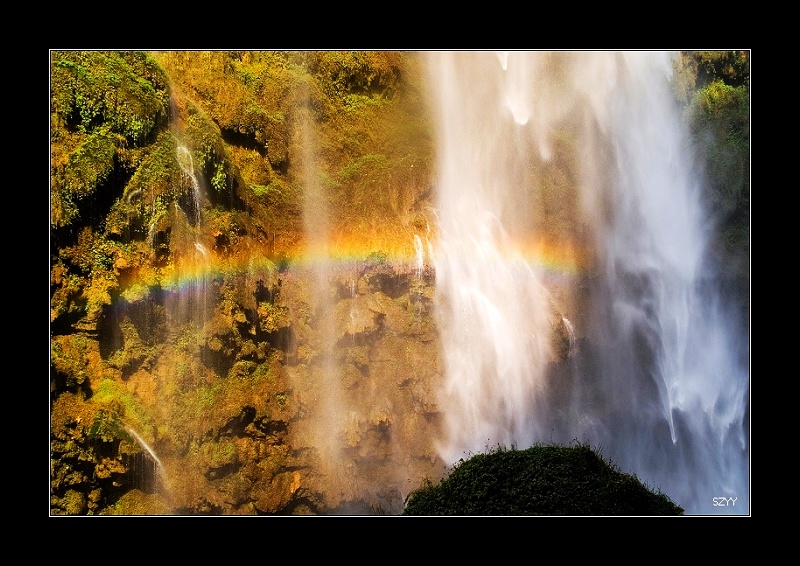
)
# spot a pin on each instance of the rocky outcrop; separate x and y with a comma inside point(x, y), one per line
point(187, 362)
point(235, 399)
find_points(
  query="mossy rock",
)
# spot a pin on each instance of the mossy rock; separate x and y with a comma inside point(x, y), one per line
point(541, 480)
point(136, 502)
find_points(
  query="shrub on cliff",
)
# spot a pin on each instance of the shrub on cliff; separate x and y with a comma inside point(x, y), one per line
point(541, 480)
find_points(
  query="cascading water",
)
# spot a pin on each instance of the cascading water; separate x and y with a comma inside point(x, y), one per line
point(662, 386)
point(186, 163)
point(191, 303)
point(493, 308)
point(662, 312)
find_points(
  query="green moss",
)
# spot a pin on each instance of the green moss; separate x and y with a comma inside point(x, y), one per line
point(73, 502)
point(270, 191)
point(108, 427)
point(125, 90)
point(220, 454)
point(272, 317)
point(135, 502)
point(68, 355)
point(153, 186)
point(122, 406)
point(370, 129)
point(242, 369)
point(102, 104)
point(541, 480)
point(208, 151)
point(345, 73)
point(134, 352)
point(362, 165)
point(87, 166)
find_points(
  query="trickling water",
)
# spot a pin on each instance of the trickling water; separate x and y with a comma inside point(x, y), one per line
point(193, 278)
point(162, 475)
point(663, 388)
point(570, 333)
point(201, 248)
point(186, 163)
point(420, 255)
point(327, 422)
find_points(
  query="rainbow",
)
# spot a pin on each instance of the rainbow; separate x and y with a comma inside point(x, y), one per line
point(552, 258)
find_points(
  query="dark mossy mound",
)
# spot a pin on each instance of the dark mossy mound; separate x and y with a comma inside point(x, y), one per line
point(541, 480)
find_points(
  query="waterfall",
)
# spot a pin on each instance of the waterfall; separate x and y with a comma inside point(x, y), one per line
point(492, 307)
point(662, 386)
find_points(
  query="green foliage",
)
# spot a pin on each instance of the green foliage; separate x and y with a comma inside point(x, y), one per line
point(209, 154)
point(203, 138)
point(730, 67)
point(103, 104)
point(356, 72)
point(124, 90)
point(219, 180)
point(86, 167)
point(90, 251)
point(133, 353)
point(68, 357)
point(376, 259)
point(714, 87)
point(108, 427)
point(721, 124)
point(271, 190)
point(219, 454)
point(66, 292)
point(121, 406)
point(202, 398)
point(93, 256)
point(730, 105)
point(242, 369)
point(372, 151)
point(362, 165)
point(135, 502)
point(156, 172)
point(73, 502)
point(541, 480)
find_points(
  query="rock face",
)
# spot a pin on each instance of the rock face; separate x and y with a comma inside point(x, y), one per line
point(363, 398)
point(197, 364)
point(259, 404)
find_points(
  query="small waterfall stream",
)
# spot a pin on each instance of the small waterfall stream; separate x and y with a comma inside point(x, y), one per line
point(151, 454)
point(186, 163)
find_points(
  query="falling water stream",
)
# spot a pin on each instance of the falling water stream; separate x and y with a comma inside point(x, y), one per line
point(662, 384)
point(326, 424)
